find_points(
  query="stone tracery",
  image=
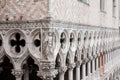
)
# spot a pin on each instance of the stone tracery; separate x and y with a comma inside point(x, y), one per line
point(92, 47)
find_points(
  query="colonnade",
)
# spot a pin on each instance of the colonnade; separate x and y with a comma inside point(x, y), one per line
point(77, 53)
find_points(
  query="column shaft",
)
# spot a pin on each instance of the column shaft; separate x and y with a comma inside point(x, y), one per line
point(83, 71)
point(70, 74)
point(61, 76)
point(77, 73)
point(93, 66)
point(89, 70)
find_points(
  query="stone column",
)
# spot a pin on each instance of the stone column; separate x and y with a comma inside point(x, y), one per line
point(89, 69)
point(97, 63)
point(108, 57)
point(70, 71)
point(83, 71)
point(18, 74)
point(61, 76)
point(62, 71)
point(78, 70)
point(93, 66)
point(93, 69)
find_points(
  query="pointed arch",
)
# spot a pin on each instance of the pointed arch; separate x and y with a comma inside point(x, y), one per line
point(68, 59)
point(26, 58)
point(58, 61)
point(6, 69)
point(30, 69)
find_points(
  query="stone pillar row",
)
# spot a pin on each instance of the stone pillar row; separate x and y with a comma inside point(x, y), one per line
point(48, 72)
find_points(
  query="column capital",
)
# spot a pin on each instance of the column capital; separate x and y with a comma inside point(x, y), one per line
point(71, 66)
point(47, 74)
point(62, 69)
point(78, 63)
point(47, 71)
point(17, 73)
point(84, 61)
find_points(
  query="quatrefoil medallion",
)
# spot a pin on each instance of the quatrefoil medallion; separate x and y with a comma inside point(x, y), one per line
point(17, 42)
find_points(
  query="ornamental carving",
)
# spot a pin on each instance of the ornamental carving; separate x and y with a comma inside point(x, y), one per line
point(35, 43)
point(48, 45)
point(17, 43)
point(17, 73)
point(47, 70)
point(62, 69)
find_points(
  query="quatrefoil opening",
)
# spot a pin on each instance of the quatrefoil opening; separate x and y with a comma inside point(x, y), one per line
point(17, 42)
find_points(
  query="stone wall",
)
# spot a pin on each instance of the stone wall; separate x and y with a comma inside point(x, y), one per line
point(85, 13)
point(16, 10)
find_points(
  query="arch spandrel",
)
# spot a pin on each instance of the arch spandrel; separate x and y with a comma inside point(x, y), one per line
point(35, 43)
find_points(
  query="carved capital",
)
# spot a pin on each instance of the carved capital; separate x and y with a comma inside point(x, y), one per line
point(47, 71)
point(62, 69)
point(47, 74)
point(94, 56)
point(78, 63)
point(71, 66)
point(17, 73)
point(84, 61)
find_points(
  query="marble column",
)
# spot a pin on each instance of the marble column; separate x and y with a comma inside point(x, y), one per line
point(93, 69)
point(78, 70)
point(83, 71)
point(93, 65)
point(107, 57)
point(70, 74)
point(70, 71)
point(89, 69)
point(62, 71)
point(61, 76)
point(97, 67)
